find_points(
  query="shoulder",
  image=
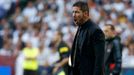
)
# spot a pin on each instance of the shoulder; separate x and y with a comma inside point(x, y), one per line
point(117, 44)
point(93, 28)
point(116, 40)
point(36, 49)
point(62, 44)
point(25, 49)
point(91, 24)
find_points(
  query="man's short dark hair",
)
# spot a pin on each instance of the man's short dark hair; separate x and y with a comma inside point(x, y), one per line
point(82, 5)
point(112, 27)
point(60, 33)
point(131, 42)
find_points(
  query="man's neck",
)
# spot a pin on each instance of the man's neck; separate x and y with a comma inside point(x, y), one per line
point(58, 43)
point(113, 35)
point(85, 20)
point(109, 38)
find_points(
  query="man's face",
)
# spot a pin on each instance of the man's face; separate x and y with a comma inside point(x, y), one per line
point(78, 15)
point(131, 48)
point(29, 44)
point(56, 37)
point(108, 32)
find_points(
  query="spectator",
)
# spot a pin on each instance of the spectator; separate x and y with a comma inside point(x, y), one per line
point(30, 10)
point(43, 60)
point(6, 49)
point(128, 56)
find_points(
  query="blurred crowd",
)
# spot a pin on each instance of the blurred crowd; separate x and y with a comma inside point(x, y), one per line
point(33, 23)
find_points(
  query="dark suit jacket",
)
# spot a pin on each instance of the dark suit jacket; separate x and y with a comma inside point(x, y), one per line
point(113, 55)
point(88, 49)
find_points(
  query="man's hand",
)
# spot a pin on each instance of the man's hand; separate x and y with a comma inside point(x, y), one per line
point(57, 66)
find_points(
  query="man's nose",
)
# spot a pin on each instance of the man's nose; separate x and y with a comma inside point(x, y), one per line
point(74, 14)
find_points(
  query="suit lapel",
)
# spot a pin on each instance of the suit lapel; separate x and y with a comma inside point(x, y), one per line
point(108, 50)
point(74, 48)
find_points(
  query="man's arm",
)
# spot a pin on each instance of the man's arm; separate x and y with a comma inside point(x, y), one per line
point(62, 63)
point(117, 56)
point(99, 46)
point(65, 58)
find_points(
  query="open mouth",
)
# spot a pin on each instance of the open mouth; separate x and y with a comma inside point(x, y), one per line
point(75, 20)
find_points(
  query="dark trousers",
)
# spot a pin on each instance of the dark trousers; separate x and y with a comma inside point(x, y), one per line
point(66, 70)
point(30, 72)
point(75, 71)
point(45, 70)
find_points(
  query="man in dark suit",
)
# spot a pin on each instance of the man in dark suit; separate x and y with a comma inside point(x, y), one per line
point(113, 51)
point(87, 53)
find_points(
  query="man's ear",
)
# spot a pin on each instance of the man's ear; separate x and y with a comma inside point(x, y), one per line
point(86, 13)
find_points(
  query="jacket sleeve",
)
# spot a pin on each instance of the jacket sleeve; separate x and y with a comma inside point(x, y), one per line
point(117, 56)
point(98, 41)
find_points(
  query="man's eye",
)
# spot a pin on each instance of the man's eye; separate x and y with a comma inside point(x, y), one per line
point(75, 12)
point(106, 30)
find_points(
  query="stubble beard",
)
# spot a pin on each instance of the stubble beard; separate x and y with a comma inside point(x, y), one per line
point(79, 22)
